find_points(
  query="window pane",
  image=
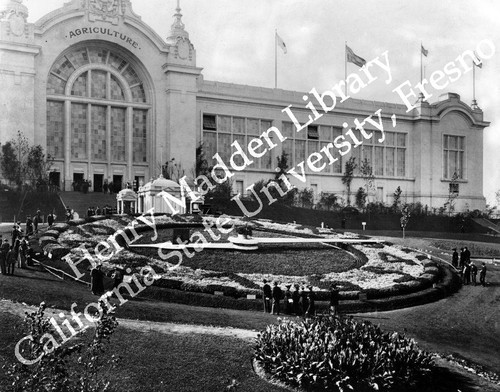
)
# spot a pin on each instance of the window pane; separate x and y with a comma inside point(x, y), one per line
point(328, 168)
point(389, 139)
point(460, 165)
point(379, 161)
point(367, 153)
point(401, 139)
point(336, 132)
point(312, 146)
point(453, 156)
point(238, 125)
point(118, 134)
point(139, 135)
point(80, 86)
point(445, 141)
point(55, 85)
point(453, 143)
point(312, 132)
point(253, 126)
point(378, 136)
point(210, 146)
point(288, 148)
point(98, 141)
point(288, 130)
point(325, 133)
point(300, 151)
point(55, 129)
point(116, 90)
point(209, 122)
point(98, 85)
point(224, 124)
point(389, 160)
point(224, 146)
point(138, 93)
point(401, 162)
point(241, 140)
point(445, 164)
point(461, 143)
point(265, 125)
point(78, 131)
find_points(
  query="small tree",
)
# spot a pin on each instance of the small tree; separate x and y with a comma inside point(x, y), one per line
point(52, 371)
point(452, 194)
point(348, 176)
point(366, 171)
point(306, 197)
point(202, 166)
point(328, 200)
point(9, 164)
point(405, 211)
point(361, 198)
point(397, 199)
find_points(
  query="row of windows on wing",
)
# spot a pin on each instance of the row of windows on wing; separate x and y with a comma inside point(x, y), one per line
point(97, 82)
point(387, 159)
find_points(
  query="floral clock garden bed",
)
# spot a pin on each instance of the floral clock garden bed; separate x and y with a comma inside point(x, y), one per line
point(376, 271)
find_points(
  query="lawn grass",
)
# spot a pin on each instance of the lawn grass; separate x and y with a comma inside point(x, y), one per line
point(153, 361)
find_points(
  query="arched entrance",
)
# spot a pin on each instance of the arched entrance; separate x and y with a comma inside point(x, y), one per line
point(99, 109)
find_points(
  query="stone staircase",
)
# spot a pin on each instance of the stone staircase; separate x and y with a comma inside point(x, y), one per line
point(80, 202)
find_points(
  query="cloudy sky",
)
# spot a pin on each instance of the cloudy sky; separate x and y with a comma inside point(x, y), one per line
point(234, 40)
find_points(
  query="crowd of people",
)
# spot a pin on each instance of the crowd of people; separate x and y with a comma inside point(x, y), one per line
point(93, 211)
point(18, 253)
point(299, 302)
point(467, 268)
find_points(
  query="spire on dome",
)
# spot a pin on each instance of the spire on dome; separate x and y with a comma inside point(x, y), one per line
point(177, 29)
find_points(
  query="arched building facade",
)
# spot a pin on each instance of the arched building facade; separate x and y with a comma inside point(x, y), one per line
point(109, 99)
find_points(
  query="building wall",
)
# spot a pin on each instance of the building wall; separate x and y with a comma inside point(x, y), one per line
point(178, 98)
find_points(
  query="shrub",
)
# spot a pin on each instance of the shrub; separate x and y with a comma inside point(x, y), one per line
point(340, 354)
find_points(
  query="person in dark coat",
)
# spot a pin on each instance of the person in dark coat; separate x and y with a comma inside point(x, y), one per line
point(29, 225)
point(36, 220)
point(296, 301)
point(267, 294)
point(11, 261)
point(303, 301)
point(466, 255)
point(334, 300)
point(117, 277)
point(311, 303)
point(16, 231)
point(50, 219)
point(461, 264)
point(482, 275)
point(97, 280)
point(473, 272)
point(466, 277)
point(277, 295)
point(4, 250)
point(454, 258)
point(288, 300)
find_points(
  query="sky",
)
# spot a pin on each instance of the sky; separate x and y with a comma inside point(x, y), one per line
point(234, 42)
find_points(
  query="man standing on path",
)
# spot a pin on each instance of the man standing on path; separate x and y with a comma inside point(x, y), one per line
point(4, 250)
point(266, 296)
point(482, 275)
point(334, 300)
point(277, 295)
point(454, 258)
point(466, 255)
point(473, 272)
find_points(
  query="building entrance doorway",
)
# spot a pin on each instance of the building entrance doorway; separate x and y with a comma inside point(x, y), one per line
point(117, 183)
point(55, 179)
point(98, 181)
point(77, 181)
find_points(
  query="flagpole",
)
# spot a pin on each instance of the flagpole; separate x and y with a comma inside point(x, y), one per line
point(473, 82)
point(276, 58)
point(421, 61)
point(345, 68)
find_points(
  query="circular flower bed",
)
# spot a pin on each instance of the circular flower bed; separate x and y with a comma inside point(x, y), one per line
point(379, 270)
point(340, 354)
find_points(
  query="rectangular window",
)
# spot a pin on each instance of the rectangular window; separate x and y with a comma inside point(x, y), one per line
point(454, 188)
point(209, 123)
point(453, 156)
point(312, 132)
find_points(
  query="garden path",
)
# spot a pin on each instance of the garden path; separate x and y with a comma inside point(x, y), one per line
point(143, 326)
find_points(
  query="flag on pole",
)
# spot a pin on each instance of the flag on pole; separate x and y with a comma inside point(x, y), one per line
point(351, 57)
point(281, 43)
point(477, 61)
point(424, 51)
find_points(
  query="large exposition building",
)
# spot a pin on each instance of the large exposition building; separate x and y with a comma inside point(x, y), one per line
point(110, 99)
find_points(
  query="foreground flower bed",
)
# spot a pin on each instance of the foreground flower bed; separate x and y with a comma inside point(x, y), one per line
point(341, 354)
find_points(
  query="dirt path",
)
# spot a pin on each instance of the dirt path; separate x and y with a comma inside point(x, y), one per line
point(143, 326)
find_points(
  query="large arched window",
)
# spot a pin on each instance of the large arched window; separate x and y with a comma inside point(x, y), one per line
point(97, 108)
